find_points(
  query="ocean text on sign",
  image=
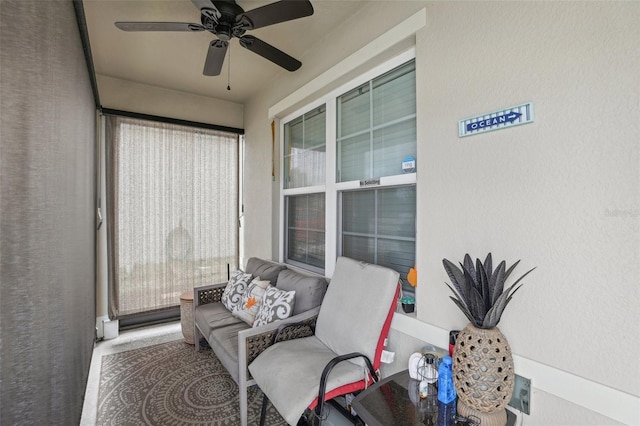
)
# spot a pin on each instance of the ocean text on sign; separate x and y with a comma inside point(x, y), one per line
point(496, 120)
point(493, 121)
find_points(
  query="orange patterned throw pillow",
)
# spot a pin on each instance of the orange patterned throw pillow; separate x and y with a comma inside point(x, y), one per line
point(251, 300)
point(250, 303)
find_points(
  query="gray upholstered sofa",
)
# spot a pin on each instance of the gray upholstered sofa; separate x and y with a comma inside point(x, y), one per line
point(237, 344)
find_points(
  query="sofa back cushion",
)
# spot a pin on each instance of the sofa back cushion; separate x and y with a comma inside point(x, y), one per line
point(266, 270)
point(309, 290)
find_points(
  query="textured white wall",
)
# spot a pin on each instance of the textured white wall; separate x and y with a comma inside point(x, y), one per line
point(562, 193)
point(145, 99)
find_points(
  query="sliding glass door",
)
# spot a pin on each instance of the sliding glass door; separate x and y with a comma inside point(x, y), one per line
point(173, 224)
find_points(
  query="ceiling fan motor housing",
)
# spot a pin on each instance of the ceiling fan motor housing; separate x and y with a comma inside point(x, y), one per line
point(225, 26)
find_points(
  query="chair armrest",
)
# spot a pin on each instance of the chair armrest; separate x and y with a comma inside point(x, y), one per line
point(327, 370)
point(253, 341)
point(208, 294)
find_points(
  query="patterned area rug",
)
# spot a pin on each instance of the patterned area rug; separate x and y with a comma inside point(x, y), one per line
point(172, 384)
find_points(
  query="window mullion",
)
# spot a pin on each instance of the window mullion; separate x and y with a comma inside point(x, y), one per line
point(375, 224)
point(331, 196)
point(371, 147)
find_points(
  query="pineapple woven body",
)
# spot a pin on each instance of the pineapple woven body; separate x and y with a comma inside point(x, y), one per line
point(483, 369)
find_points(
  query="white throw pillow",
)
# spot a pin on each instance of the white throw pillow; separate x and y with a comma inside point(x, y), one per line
point(251, 301)
point(276, 305)
point(237, 285)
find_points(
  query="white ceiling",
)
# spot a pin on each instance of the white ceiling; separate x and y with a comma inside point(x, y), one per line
point(174, 60)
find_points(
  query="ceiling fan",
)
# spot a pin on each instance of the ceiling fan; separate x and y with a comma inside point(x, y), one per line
point(226, 19)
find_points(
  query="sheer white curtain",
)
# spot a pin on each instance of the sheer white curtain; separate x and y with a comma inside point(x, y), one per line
point(173, 219)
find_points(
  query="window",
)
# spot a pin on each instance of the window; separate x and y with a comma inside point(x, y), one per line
point(305, 169)
point(304, 141)
point(305, 230)
point(377, 126)
point(379, 226)
point(363, 204)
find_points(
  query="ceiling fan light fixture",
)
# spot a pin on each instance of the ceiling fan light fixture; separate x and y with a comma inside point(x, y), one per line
point(223, 31)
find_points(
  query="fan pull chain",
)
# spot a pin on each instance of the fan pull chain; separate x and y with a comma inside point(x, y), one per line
point(229, 70)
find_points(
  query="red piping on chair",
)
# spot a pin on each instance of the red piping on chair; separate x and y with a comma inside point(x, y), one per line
point(355, 386)
point(385, 330)
point(342, 390)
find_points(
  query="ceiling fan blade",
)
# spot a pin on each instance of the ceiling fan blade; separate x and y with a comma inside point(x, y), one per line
point(200, 4)
point(207, 8)
point(269, 52)
point(215, 57)
point(159, 26)
point(274, 13)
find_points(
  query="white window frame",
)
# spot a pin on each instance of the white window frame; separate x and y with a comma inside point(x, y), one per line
point(331, 188)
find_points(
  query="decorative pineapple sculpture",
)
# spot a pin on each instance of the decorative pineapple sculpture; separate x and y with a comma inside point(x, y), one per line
point(482, 361)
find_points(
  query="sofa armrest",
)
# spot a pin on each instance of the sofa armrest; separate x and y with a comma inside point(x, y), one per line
point(293, 330)
point(253, 341)
point(208, 294)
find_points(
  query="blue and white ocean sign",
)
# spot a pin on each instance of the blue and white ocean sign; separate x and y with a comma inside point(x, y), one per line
point(508, 117)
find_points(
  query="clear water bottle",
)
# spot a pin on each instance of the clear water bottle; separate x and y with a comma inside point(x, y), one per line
point(428, 374)
point(427, 369)
point(446, 391)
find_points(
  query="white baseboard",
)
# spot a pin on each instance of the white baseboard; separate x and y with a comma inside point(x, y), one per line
point(106, 329)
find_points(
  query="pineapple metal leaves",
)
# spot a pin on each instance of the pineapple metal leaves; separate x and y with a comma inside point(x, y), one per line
point(479, 290)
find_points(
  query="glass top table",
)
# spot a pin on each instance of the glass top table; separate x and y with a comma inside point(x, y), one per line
point(394, 401)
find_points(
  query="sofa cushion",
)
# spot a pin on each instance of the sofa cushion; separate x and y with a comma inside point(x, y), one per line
point(237, 285)
point(309, 290)
point(276, 305)
point(264, 269)
point(224, 341)
point(251, 301)
point(211, 316)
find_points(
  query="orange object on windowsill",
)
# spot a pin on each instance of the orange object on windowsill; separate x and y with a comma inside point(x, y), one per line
point(412, 277)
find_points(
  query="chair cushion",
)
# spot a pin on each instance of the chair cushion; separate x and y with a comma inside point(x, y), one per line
point(276, 305)
point(356, 306)
point(264, 269)
point(309, 290)
point(289, 372)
